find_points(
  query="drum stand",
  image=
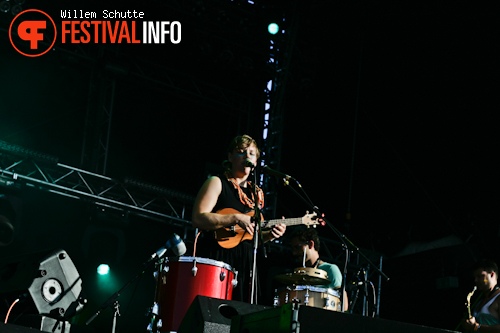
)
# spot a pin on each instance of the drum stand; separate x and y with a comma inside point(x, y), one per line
point(115, 315)
point(363, 283)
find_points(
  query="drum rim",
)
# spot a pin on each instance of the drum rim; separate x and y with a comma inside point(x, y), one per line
point(205, 261)
point(329, 291)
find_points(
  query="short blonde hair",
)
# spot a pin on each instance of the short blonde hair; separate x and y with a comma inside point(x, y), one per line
point(239, 142)
point(242, 142)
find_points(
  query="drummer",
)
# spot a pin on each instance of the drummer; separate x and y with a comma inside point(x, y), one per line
point(305, 247)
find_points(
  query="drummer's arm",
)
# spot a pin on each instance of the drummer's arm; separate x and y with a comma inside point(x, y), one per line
point(345, 301)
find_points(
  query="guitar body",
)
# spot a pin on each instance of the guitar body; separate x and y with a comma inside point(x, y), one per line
point(232, 236)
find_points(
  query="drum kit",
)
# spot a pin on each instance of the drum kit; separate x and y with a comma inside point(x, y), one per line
point(303, 288)
point(304, 275)
point(180, 280)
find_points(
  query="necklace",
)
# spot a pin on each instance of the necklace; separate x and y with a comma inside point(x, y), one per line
point(244, 199)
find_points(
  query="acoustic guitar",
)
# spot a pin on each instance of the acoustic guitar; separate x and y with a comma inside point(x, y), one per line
point(232, 236)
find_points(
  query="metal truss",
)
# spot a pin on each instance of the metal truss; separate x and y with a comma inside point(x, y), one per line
point(280, 51)
point(33, 170)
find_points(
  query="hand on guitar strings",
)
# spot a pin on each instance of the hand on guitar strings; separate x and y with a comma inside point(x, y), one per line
point(278, 230)
point(245, 222)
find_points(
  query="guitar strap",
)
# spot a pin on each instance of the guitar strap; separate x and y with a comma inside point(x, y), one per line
point(493, 291)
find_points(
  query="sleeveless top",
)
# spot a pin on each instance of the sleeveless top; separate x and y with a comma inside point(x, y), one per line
point(229, 197)
point(484, 316)
point(240, 257)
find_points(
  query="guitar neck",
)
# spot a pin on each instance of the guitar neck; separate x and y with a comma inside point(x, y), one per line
point(232, 236)
point(290, 221)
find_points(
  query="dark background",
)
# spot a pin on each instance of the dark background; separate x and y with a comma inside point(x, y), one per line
point(390, 116)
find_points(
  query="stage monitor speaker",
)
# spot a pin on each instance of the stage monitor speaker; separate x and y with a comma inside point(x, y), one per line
point(45, 324)
point(57, 287)
point(50, 278)
point(10, 328)
point(214, 315)
point(308, 319)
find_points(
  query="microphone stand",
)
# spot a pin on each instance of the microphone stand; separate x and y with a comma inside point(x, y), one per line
point(257, 237)
point(347, 243)
point(113, 300)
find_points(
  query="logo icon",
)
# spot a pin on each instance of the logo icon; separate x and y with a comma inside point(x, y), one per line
point(32, 33)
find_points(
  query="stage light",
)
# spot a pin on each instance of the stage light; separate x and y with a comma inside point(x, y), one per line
point(16, 9)
point(107, 280)
point(103, 269)
point(4, 6)
point(273, 28)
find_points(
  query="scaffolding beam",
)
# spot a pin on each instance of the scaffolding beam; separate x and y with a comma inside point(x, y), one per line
point(129, 196)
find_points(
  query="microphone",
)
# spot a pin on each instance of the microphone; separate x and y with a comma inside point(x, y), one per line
point(275, 173)
point(249, 164)
point(174, 243)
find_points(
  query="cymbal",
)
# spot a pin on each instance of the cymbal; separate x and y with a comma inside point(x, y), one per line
point(304, 276)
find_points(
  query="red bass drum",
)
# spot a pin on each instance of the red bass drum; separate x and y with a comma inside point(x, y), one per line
point(182, 279)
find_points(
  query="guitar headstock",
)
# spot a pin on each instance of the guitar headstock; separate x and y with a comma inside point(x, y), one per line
point(312, 220)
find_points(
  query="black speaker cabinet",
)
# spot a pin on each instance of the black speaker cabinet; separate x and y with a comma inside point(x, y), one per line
point(45, 324)
point(9, 328)
point(213, 315)
point(308, 319)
